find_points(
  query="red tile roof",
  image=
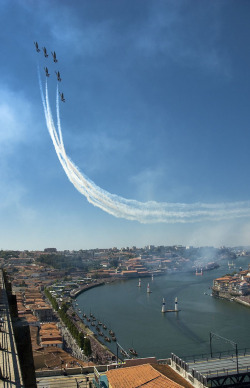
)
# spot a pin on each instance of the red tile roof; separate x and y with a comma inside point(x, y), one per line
point(139, 376)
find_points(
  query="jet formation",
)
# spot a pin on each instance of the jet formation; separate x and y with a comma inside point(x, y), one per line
point(37, 48)
point(54, 56)
point(46, 72)
point(62, 97)
point(45, 52)
point(58, 75)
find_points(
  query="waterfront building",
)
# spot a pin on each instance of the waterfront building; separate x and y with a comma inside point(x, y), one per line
point(236, 285)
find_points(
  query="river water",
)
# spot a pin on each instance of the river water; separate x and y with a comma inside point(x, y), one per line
point(135, 316)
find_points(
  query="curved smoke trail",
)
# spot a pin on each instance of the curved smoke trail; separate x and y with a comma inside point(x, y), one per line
point(144, 212)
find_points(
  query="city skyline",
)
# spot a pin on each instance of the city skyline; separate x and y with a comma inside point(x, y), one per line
point(155, 110)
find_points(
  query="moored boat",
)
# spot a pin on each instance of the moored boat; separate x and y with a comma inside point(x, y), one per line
point(133, 352)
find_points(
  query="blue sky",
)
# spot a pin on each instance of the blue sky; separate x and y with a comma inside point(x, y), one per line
point(157, 109)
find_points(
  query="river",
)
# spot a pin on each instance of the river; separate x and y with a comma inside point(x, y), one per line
point(135, 316)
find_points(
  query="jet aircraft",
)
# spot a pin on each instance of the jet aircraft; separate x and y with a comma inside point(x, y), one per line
point(37, 48)
point(54, 56)
point(45, 52)
point(46, 72)
point(58, 76)
point(62, 97)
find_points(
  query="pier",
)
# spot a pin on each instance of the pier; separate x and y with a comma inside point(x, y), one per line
point(172, 311)
point(175, 310)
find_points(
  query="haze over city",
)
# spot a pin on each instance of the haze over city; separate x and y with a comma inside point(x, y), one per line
point(156, 109)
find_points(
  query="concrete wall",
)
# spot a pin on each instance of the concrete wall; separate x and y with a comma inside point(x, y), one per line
point(71, 371)
point(24, 349)
point(187, 376)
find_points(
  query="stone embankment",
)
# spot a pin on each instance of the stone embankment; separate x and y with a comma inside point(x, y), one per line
point(245, 300)
point(94, 283)
point(100, 353)
point(78, 291)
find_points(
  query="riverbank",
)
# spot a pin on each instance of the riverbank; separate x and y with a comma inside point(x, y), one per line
point(95, 283)
point(100, 353)
point(75, 293)
point(245, 300)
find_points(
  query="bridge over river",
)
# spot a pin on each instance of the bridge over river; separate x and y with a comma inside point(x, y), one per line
point(223, 369)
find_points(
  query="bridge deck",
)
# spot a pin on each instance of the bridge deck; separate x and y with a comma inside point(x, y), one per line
point(221, 366)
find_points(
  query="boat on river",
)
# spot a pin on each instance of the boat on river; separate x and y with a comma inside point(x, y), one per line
point(133, 352)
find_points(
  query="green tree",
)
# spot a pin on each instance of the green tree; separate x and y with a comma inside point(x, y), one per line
point(64, 308)
point(87, 347)
point(114, 262)
point(81, 340)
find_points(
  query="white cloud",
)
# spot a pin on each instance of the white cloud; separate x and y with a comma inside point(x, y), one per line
point(147, 182)
point(188, 35)
point(13, 200)
point(76, 33)
point(15, 119)
point(230, 233)
point(90, 40)
point(99, 149)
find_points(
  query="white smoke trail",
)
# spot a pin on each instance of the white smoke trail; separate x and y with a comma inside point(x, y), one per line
point(144, 212)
